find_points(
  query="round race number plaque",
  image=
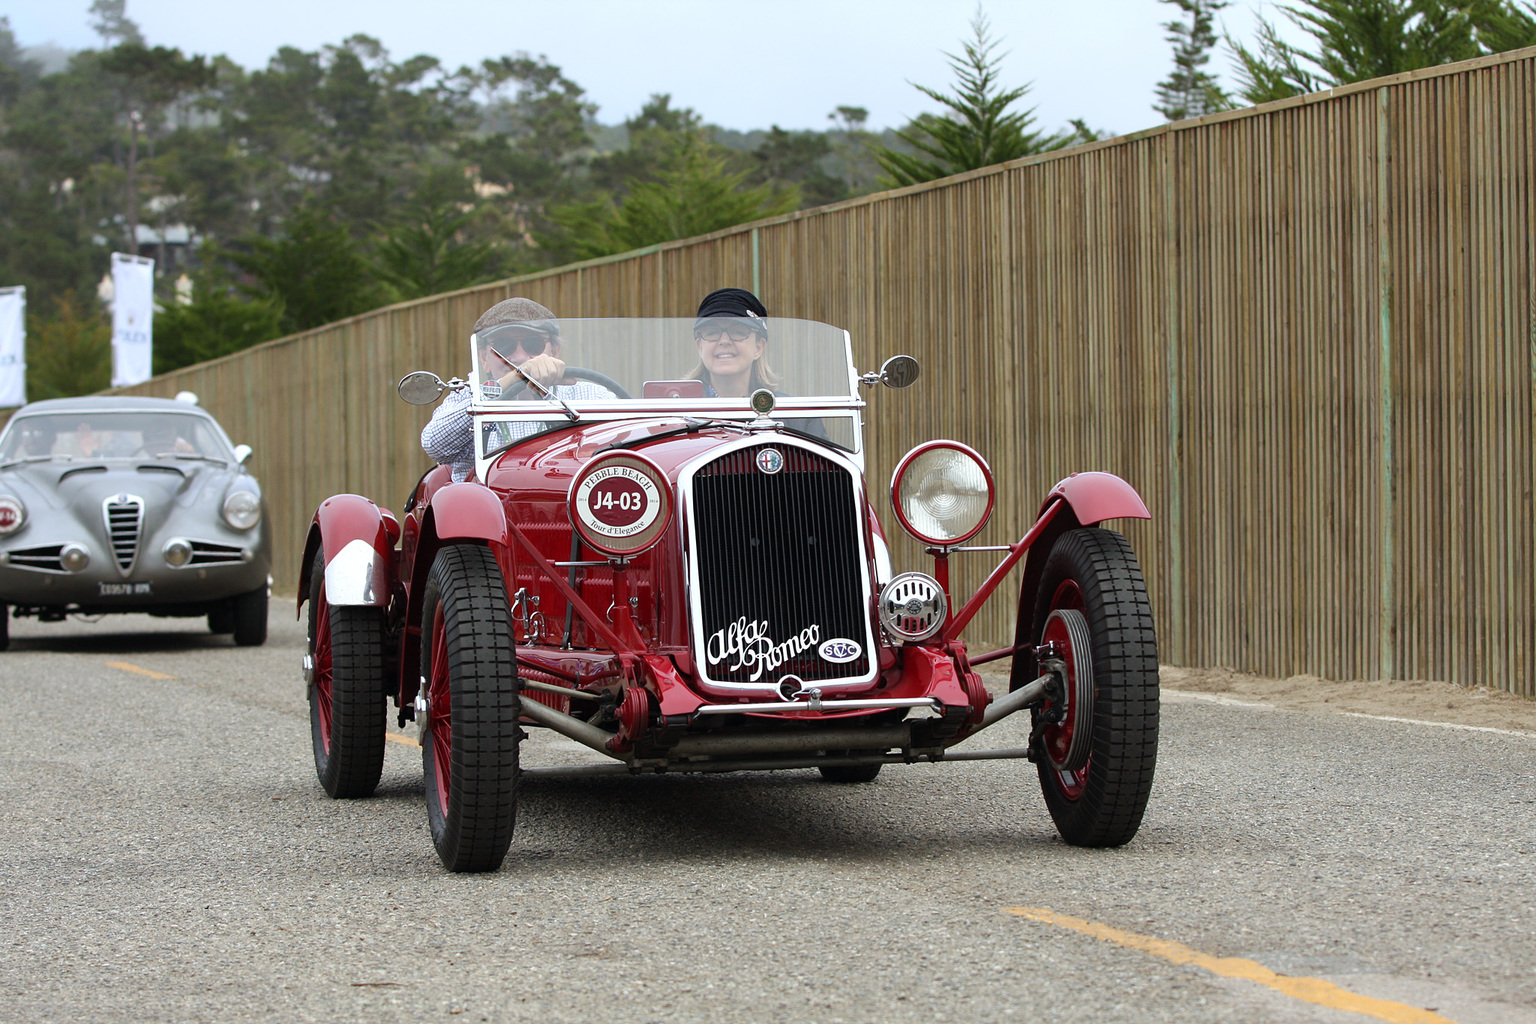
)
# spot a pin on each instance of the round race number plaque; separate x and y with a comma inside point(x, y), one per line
point(617, 501)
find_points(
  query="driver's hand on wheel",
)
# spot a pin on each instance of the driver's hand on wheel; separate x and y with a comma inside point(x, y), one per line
point(544, 368)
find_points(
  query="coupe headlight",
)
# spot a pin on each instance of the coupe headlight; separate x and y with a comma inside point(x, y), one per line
point(74, 557)
point(242, 510)
point(12, 514)
point(943, 493)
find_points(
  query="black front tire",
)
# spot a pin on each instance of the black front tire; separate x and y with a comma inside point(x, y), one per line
point(5, 626)
point(347, 708)
point(470, 738)
point(250, 615)
point(221, 620)
point(1095, 571)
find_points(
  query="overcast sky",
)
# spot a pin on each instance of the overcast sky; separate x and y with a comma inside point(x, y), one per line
point(741, 64)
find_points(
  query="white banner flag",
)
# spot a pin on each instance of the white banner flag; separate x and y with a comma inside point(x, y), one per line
point(133, 311)
point(13, 347)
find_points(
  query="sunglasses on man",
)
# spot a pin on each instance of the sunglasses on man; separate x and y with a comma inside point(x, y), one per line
point(736, 332)
point(532, 343)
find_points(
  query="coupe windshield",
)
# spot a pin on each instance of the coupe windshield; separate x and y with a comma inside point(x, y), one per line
point(112, 435)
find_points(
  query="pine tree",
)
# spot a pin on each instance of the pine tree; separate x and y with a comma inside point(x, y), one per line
point(979, 130)
point(1357, 40)
point(1190, 90)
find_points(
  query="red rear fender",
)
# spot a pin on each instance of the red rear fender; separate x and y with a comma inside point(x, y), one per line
point(358, 538)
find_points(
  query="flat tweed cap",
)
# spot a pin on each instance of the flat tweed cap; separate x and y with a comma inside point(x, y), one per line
point(515, 310)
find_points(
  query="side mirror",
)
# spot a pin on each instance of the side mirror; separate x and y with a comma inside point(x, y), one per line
point(900, 372)
point(242, 452)
point(421, 387)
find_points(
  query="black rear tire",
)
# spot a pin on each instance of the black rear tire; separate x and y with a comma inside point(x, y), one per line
point(347, 708)
point(469, 741)
point(1101, 804)
point(849, 773)
point(250, 615)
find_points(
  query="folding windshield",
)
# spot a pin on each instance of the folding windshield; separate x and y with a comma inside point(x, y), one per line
point(708, 366)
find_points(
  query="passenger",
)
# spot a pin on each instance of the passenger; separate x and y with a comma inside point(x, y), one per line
point(731, 334)
point(449, 437)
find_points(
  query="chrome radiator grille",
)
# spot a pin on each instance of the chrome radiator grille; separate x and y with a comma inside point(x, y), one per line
point(778, 569)
point(125, 520)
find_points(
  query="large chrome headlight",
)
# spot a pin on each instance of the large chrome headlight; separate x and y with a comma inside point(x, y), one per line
point(12, 514)
point(943, 493)
point(242, 510)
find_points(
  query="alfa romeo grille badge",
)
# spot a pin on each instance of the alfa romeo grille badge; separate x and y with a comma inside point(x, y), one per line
point(770, 460)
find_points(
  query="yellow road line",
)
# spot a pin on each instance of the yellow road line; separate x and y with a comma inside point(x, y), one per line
point(404, 741)
point(136, 670)
point(1311, 990)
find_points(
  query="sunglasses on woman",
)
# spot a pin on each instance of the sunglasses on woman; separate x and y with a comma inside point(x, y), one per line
point(712, 332)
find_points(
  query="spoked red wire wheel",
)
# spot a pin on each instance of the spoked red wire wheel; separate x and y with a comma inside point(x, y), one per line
point(470, 736)
point(438, 736)
point(346, 690)
point(320, 671)
point(1098, 763)
point(1068, 743)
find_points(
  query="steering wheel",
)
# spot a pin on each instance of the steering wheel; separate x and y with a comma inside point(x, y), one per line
point(579, 373)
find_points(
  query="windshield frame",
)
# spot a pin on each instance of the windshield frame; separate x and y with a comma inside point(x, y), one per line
point(552, 413)
point(842, 369)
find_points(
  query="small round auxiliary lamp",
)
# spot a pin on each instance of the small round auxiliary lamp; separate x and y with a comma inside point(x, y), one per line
point(763, 401)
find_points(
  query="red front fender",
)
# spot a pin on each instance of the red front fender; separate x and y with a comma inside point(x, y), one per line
point(1091, 498)
point(1095, 497)
point(339, 522)
point(466, 511)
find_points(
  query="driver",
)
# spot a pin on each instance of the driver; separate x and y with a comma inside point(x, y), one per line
point(533, 348)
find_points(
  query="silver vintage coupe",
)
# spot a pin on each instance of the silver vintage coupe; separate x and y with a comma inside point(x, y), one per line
point(129, 504)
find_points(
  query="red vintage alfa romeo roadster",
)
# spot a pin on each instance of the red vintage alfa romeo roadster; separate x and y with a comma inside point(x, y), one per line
point(693, 583)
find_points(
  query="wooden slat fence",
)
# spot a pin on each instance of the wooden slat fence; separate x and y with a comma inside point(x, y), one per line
point(1305, 331)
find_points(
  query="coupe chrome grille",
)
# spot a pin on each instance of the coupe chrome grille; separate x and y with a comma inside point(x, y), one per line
point(206, 552)
point(777, 565)
point(45, 558)
point(125, 519)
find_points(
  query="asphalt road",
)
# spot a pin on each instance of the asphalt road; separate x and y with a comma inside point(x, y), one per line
point(169, 856)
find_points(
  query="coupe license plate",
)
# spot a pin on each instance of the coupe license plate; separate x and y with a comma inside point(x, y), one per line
point(126, 589)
